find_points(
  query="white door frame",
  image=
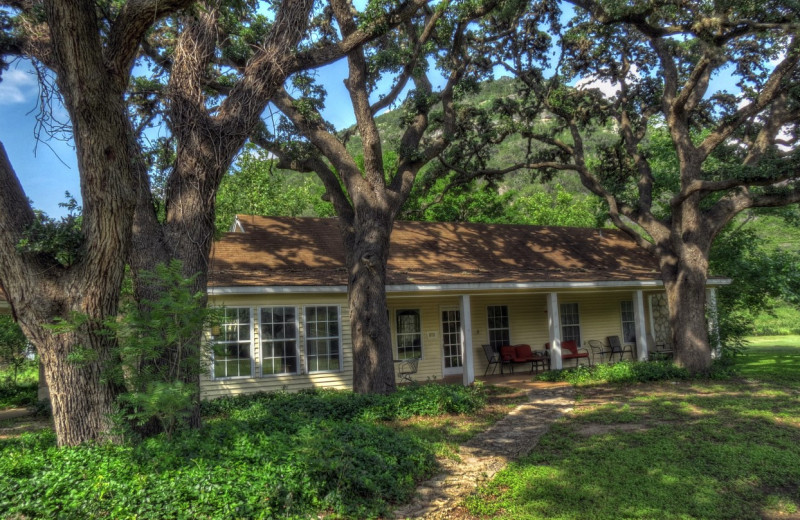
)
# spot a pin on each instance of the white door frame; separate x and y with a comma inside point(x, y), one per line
point(456, 370)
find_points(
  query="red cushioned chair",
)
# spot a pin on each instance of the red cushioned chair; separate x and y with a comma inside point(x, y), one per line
point(570, 350)
point(524, 355)
point(507, 355)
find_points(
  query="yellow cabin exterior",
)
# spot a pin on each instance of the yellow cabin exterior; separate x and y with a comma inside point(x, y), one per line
point(451, 289)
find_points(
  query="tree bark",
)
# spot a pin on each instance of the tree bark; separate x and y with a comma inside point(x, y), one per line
point(684, 270)
point(367, 258)
point(91, 78)
point(686, 296)
point(82, 400)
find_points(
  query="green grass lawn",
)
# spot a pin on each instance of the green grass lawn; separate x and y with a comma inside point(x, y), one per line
point(717, 449)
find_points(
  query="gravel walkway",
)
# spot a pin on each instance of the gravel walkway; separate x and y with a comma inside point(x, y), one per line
point(487, 453)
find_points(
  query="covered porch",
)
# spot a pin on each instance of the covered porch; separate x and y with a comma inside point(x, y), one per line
point(449, 331)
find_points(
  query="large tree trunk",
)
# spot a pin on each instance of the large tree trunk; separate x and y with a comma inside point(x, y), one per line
point(685, 275)
point(86, 414)
point(367, 257)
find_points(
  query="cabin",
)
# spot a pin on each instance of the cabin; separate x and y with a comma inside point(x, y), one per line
point(280, 285)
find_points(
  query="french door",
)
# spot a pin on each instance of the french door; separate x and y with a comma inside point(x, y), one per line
point(451, 341)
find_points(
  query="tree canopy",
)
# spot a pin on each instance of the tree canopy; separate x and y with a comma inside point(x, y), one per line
point(689, 155)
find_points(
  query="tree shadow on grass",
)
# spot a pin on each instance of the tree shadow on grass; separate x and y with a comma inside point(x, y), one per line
point(691, 455)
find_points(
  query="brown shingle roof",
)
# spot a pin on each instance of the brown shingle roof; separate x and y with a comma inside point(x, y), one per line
point(284, 251)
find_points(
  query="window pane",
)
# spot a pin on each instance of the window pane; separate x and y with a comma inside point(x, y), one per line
point(278, 340)
point(628, 321)
point(570, 323)
point(322, 338)
point(409, 333)
point(231, 347)
point(499, 333)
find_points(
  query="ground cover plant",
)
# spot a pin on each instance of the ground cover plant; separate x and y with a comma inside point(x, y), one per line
point(19, 389)
point(689, 449)
point(258, 456)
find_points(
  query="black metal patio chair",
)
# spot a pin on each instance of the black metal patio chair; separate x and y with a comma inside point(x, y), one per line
point(598, 349)
point(492, 357)
point(407, 368)
point(617, 347)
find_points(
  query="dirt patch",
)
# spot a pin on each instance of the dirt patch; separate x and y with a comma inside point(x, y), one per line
point(11, 428)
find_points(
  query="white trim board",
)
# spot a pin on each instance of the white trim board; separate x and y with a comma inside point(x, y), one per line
point(456, 287)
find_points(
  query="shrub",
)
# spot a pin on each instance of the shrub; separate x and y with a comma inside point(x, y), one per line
point(17, 395)
point(622, 372)
point(258, 456)
point(430, 399)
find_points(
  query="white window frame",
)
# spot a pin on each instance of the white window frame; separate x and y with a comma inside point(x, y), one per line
point(264, 341)
point(632, 321)
point(249, 342)
point(489, 327)
point(397, 333)
point(562, 314)
point(307, 337)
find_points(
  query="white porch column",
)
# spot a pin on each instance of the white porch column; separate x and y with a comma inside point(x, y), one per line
point(554, 326)
point(713, 323)
point(466, 340)
point(642, 347)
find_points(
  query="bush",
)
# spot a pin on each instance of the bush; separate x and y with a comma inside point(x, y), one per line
point(258, 456)
point(18, 395)
point(622, 372)
point(20, 389)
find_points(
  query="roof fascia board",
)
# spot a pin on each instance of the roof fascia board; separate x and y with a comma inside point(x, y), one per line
point(339, 289)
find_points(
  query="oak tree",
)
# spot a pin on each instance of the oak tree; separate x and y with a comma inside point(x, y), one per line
point(660, 65)
point(368, 189)
point(89, 48)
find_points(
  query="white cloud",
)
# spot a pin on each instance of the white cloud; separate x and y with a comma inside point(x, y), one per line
point(607, 88)
point(18, 86)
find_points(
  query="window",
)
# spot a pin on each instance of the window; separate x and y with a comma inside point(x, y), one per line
point(499, 333)
point(231, 344)
point(570, 323)
point(322, 338)
point(278, 340)
point(409, 334)
point(628, 322)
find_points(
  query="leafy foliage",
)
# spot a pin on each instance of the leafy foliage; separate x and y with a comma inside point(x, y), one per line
point(15, 349)
point(60, 239)
point(627, 372)
point(160, 348)
point(259, 456)
point(255, 186)
point(20, 389)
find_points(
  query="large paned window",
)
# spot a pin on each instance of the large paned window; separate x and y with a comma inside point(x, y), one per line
point(323, 340)
point(499, 332)
point(278, 340)
point(570, 323)
point(231, 348)
point(628, 322)
point(409, 334)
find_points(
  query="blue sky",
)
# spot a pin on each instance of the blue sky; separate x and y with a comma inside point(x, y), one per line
point(48, 168)
point(45, 169)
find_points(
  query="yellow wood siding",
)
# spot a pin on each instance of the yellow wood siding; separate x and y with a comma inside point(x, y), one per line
point(211, 388)
point(599, 311)
point(431, 364)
